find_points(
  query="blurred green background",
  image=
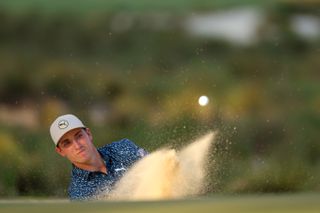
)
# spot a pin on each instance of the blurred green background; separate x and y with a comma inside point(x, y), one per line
point(135, 69)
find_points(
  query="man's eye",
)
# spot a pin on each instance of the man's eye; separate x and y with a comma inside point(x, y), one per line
point(66, 143)
point(79, 135)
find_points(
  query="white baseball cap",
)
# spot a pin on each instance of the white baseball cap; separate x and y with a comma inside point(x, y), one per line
point(62, 125)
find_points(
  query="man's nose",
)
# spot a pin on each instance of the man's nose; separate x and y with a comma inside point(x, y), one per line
point(76, 143)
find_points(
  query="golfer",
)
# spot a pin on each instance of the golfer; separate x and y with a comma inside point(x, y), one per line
point(94, 171)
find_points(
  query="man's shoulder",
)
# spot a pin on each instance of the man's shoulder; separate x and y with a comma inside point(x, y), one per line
point(123, 150)
point(117, 146)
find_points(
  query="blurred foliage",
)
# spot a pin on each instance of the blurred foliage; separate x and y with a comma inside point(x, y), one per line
point(138, 75)
point(98, 6)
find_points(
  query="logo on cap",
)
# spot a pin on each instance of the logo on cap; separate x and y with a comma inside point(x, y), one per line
point(63, 124)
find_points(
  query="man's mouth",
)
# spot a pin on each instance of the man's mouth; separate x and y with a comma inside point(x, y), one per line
point(82, 150)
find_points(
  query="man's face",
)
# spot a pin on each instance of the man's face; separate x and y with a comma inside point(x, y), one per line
point(77, 146)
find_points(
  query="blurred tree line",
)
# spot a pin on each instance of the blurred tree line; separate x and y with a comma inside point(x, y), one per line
point(139, 75)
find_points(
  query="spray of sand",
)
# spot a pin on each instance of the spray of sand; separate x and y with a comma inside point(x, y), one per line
point(166, 173)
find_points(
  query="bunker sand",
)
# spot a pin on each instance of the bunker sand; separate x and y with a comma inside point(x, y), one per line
point(166, 173)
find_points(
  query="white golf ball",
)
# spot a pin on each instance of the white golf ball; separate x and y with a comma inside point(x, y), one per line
point(203, 100)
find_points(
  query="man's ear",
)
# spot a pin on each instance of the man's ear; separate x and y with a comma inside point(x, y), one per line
point(60, 151)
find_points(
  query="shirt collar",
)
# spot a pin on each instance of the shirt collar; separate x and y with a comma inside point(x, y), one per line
point(80, 172)
point(104, 156)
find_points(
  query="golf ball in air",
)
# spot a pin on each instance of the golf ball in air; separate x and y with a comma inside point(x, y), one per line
point(203, 100)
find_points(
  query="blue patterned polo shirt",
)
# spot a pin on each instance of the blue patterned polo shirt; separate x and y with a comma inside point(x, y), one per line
point(118, 157)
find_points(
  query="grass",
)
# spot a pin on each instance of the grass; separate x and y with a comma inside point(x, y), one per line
point(245, 203)
point(84, 6)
